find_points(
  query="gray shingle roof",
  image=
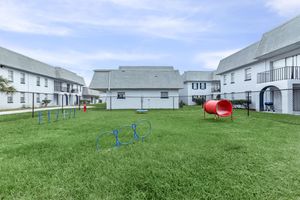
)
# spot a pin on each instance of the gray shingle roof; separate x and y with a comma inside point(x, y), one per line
point(64, 74)
point(24, 63)
point(137, 78)
point(20, 62)
point(89, 92)
point(280, 37)
point(275, 42)
point(199, 76)
point(239, 59)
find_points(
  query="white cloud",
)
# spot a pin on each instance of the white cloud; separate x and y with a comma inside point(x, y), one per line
point(210, 60)
point(284, 7)
point(164, 19)
point(18, 18)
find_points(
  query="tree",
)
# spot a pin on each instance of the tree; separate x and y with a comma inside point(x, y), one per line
point(5, 87)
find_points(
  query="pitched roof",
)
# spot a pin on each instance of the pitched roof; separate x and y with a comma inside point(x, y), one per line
point(137, 78)
point(89, 92)
point(24, 63)
point(20, 62)
point(64, 74)
point(199, 76)
point(283, 36)
point(241, 58)
point(275, 42)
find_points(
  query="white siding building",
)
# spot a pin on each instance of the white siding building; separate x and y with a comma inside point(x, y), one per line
point(29, 76)
point(269, 68)
point(199, 84)
point(139, 87)
point(90, 96)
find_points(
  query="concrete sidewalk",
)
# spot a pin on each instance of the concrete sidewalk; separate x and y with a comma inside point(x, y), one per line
point(37, 109)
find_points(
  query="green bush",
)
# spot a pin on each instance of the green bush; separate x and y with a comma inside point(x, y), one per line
point(199, 101)
point(181, 104)
point(45, 102)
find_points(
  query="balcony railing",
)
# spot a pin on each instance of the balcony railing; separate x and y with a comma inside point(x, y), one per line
point(284, 73)
point(215, 90)
point(74, 90)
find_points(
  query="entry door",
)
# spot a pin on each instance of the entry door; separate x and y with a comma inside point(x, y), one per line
point(296, 99)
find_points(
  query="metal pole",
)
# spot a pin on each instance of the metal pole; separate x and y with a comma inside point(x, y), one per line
point(173, 103)
point(110, 102)
point(248, 104)
point(79, 102)
point(32, 105)
point(62, 103)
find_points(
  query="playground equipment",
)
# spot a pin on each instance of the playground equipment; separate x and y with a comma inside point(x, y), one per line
point(65, 114)
point(124, 135)
point(220, 108)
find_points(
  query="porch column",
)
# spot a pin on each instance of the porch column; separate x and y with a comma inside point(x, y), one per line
point(287, 101)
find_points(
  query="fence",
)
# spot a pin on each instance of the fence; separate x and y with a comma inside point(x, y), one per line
point(270, 99)
point(25, 101)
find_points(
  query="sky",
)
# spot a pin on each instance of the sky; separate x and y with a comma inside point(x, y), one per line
point(84, 35)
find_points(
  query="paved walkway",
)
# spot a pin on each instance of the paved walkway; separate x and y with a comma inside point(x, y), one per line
point(37, 109)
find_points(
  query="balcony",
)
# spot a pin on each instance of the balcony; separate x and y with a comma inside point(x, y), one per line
point(213, 90)
point(284, 73)
point(74, 91)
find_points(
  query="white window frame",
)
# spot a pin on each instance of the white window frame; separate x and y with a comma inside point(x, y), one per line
point(46, 82)
point(248, 74)
point(225, 79)
point(10, 76)
point(232, 78)
point(195, 86)
point(203, 86)
point(164, 95)
point(10, 98)
point(22, 78)
point(121, 95)
point(22, 97)
point(38, 81)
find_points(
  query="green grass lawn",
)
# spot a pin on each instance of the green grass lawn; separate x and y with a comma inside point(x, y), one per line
point(186, 157)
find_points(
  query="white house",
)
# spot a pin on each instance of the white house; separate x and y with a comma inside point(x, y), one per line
point(139, 87)
point(29, 76)
point(199, 84)
point(270, 68)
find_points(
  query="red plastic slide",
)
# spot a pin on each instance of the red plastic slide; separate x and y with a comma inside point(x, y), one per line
point(221, 108)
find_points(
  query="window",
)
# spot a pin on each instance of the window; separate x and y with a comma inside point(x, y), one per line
point(195, 86)
point(10, 76)
point(38, 81)
point(248, 74)
point(22, 78)
point(38, 98)
point(22, 97)
point(46, 82)
point(121, 95)
point(164, 95)
point(225, 79)
point(46, 96)
point(225, 95)
point(232, 78)
point(202, 86)
point(10, 98)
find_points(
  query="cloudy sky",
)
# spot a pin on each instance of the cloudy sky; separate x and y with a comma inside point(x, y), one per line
point(82, 35)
